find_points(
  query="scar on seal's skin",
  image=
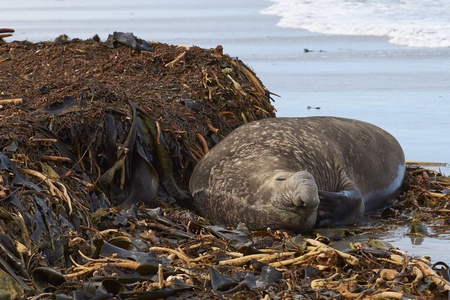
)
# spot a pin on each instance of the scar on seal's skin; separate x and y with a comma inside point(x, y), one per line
point(296, 173)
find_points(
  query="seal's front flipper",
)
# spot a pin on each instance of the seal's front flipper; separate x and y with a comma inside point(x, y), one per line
point(339, 208)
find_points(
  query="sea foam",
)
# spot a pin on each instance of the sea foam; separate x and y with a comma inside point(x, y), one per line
point(412, 23)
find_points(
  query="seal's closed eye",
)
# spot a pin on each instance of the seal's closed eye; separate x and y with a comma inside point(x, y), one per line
point(280, 179)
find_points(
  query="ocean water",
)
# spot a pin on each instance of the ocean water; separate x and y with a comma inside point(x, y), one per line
point(413, 23)
point(393, 70)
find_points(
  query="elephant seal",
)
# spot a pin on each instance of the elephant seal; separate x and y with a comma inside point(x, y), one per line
point(297, 173)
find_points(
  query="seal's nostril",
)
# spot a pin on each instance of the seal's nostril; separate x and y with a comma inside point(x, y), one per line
point(280, 179)
point(298, 202)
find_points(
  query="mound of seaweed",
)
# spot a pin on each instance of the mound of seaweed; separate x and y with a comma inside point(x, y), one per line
point(86, 126)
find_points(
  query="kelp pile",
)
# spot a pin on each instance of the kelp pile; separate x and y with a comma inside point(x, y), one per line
point(145, 253)
point(84, 90)
point(97, 143)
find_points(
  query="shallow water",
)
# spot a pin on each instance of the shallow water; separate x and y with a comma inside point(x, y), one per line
point(380, 86)
point(437, 247)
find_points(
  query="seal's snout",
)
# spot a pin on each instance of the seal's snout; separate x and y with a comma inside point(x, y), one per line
point(309, 200)
point(296, 191)
point(305, 191)
point(306, 196)
point(295, 198)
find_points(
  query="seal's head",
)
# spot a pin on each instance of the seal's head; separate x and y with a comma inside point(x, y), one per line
point(295, 199)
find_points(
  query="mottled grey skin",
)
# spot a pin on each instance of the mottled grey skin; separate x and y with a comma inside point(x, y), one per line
point(294, 173)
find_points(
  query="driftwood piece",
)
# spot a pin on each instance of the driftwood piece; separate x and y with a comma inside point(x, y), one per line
point(347, 257)
point(8, 101)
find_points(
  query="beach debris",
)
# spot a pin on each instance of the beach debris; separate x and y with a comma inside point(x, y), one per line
point(191, 103)
point(62, 39)
point(306, 50)
point(128, 39)
point(8, 101)
point(11, 289)
point(5, 32)
point(417, 228)
point(220, 282)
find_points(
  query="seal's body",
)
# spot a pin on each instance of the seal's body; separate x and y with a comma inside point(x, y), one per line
point(294, 173)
